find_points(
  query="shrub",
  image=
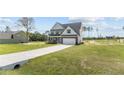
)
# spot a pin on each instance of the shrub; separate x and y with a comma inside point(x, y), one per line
point(36, 36)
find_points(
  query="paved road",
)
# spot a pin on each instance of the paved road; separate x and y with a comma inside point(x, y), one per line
point(13, 58)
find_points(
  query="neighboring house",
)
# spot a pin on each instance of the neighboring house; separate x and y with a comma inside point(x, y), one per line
point(70, 33)
point(46, 33)
point(13, 37)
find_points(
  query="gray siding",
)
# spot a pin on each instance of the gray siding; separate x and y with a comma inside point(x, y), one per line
point(19, 37)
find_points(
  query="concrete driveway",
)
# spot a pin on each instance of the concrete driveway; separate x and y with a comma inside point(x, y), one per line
point(10, 61)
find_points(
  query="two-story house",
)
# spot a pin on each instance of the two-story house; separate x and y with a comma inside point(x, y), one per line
point(70, 33)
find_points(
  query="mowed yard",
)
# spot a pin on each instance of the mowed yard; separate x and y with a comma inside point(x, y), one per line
point(85, 59)
point(11, 48)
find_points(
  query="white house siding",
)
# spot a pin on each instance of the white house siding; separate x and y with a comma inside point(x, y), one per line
point(72, 31)
point(71, 34)
point(5, 36)
point(79, 39)
point(21, 37)
point(75, 35)
point(81, 31)
point(17, 37)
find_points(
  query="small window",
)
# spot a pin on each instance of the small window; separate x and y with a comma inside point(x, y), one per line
point(60, 32)
point(12, 36)
point(17, 66)
point(54, 32)
point(68, 31)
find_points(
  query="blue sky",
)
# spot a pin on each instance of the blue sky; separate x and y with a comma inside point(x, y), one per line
point(107, 26)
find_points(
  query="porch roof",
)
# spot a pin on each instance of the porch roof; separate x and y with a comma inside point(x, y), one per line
point(64, 36)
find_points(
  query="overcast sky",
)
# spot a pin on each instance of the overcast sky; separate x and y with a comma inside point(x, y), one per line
point(108, 26)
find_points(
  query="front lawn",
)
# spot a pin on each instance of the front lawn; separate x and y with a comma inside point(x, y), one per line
point(11, 48)
point(77, 60)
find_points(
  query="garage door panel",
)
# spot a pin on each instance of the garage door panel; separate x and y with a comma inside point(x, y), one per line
point(69, 41)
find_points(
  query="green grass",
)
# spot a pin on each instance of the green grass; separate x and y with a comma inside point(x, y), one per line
point(11, 48)
point(111, 41)
point(107, 41)
point(77, 60)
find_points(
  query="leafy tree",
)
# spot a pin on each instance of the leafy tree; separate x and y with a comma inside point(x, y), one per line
point(85, 28)
point(36, 36)
point(89, 29)
point(7, 29)
point(97, 30)
point(27, 23)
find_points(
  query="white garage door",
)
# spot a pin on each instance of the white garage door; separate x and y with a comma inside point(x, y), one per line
point(69, 41)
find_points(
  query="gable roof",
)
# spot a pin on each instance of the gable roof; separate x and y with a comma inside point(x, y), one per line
point(75, 26)
point(59, 24)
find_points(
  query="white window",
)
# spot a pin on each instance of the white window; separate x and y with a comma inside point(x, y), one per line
point(68, 30)
point(60, 32)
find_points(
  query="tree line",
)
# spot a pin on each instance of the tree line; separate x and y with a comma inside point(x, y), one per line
point(36, 36)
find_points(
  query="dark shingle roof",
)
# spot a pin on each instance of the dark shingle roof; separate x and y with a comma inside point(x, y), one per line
point(75, 26)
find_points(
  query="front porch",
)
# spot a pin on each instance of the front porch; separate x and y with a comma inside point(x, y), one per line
point(55, 39)
point(73, 40)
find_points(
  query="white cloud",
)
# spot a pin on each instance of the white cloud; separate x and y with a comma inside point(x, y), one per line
point(2, 27)
point(86, 19)
point(117, 18)
point(5, 20)
point(105, 26)
point(92, 21)
point(98, 22)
